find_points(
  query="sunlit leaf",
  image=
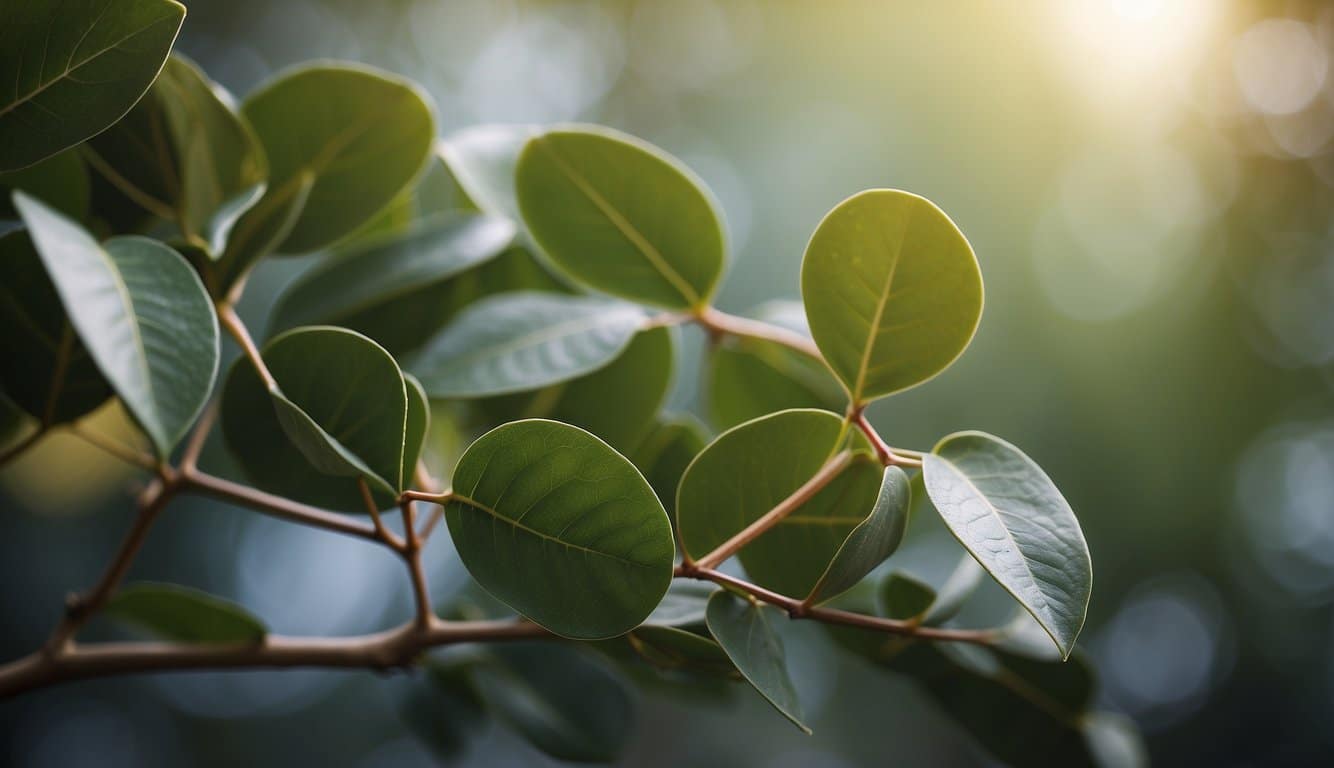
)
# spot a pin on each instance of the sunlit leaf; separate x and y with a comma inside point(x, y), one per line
point(562, 528)
point(892, 291)
point(1005, 510)
point(622, 216)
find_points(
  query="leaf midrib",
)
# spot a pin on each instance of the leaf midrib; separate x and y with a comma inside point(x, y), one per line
point(542, 336)
point(469, 502)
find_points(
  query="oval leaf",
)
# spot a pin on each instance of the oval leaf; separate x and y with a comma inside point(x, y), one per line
point(1005, 510)
point(44, 368)
point(749, 469)
point(744, 629)
point(873, 540)
point(622, 216)
point(892, 291)
point(61, 181)
point(342, 411)
point(483, 159)
point(141, 312)
point(372, 278)
point(904, 597)
point(666, 452)
point(520, 341)
point(185, 615)
point(72, 69)
point(562, 528)
point(617, 402)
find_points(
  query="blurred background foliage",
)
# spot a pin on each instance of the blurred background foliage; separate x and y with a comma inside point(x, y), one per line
point(1148, 185)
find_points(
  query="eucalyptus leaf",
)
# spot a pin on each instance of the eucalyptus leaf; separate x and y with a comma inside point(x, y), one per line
point(434, 194)
point(892, 289)
point(371, 279)
point(617, 402)
point(72, 69)
point(44, 368)
point(744, 629)
point(873, 540)
point(750, 469)
point(483, 159)
point(354, 135)
point(1005, 510)
point(143, 315)
point(676, 649)
point(520, 341)
point(185, 615)
point(621, 216)
point(562, 528)
point(341, 412)
point(683, 605)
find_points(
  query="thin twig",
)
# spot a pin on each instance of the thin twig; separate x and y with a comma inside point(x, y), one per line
point(412, 554)
point(125, 453)
point(232, 322)
point(717, 322)
point(437, 513)
point(275, 506)
point(828, 472)
point(382, 532)
point(887, 455)
point(195, 445)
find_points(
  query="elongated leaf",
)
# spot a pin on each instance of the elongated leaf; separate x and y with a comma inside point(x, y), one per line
point(521, 341)
point(141, 312)
point(372, 279)
point(71, 69)
point(416, 427)
point(44, 368)
point(622, 216)
point(904, 597)
point(185, 615)
point(749, 470)
point(873, 540)
point(617, 402)
point(60, 181)
point(562, 528)
point(676, 649)
point(483, 159)
point(351, 136)
point(563, 700)
point(183, 151)
point(745, 631)
point(683, 605)
point(892, 291)
point(1005, 510)
point(342, 411)
point(666, 452)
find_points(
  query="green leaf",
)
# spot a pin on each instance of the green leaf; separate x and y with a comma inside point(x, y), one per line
point(563, 700)
point(666, 452)
point(749, 469)
point(744, 629)
point(483, 159)
point(184, 151)
point(185, 615)
point(60, 181)
point(873, 540)
point(416, 427)
point(72, 69)
point(892, 291)
point(434, 194)
point(683, 605)
point(373, 278)
point(1005, 510)
point(520, 341)
point(356, 136)
point(904, 597)
point(676, 649)
point(562, 528)
point(622, 216)
point(342, 412)
point(141, 312)
point(749, 377)
point(617, 402)
point(44, 368)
